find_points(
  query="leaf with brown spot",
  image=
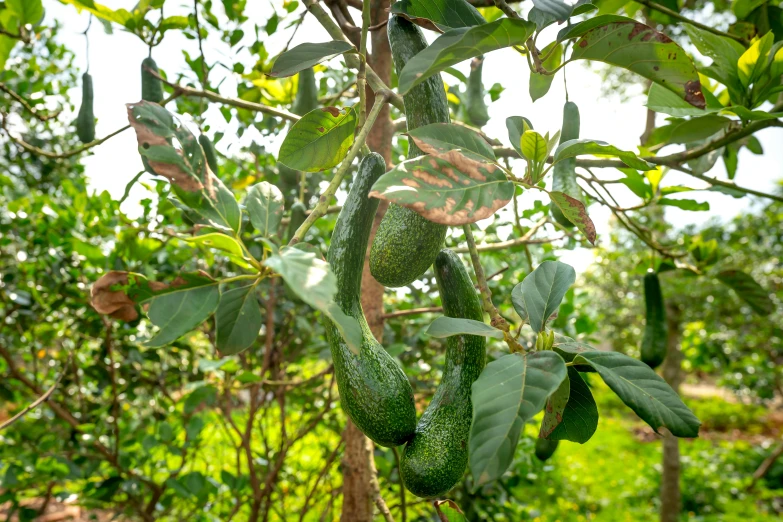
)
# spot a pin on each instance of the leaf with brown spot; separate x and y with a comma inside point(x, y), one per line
point(553, 411)
point(575, 211)
point(442, 137)
point(320, 140)
point(172, 151)
point(447, 188)
point(626, 43)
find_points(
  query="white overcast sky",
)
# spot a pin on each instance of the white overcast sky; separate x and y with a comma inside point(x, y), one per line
point(115, 65)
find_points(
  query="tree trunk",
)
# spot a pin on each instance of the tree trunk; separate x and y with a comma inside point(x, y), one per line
point(358, 463)
point(672, 373)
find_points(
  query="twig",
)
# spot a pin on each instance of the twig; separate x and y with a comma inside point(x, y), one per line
point(13, 94)
point(674, 14)
point(22, 36)
point(375, 487)
point(182, 90)
point(59, 155)
point(413, 311)
point(486, 294)
point(323, 201)
point(324, 470)
point(765, 466)
point(403, 500)
point(351, 59)
point(39, 400)
point(204, 71)
point(300, 382)
point(361, 77)
point(507, 10)
point(524, 240)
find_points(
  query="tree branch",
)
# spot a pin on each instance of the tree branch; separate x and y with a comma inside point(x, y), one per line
point(413, 311)
point(674, 14)
point(58, 155)
point(13, 94)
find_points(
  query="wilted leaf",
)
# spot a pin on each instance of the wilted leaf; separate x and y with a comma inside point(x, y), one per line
point(575, 211)
point(645, 51)
point(447, 188)
point(443, 137)
point(305, 55)
point(320, 140)
point(115, 303)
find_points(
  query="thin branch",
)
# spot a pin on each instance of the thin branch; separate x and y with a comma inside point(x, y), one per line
point(496, 319)
point(29, 108)
point(375, 487)
point(765, 466)
point(39, 400)
point(58, 155)
point(403, 499)
point(527, 238)
point(182, 90)
point(22, 36)
point(674, 14)
point(507, 10)
point(351, 59)
point(300, 382)
point(328, 464)
point(204, 71)
point(413, 311)
point(323, 201)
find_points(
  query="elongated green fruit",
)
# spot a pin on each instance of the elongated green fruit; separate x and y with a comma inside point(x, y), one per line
point(85, 121)
point(655, 328)
point(151, 87)
point(435, 459)
point(564, 176)
point(374, 391)
point(476, 107)
point(545, 448)
point(298, 216)
point(306, 98)
point(406, 244)
point(209, 152)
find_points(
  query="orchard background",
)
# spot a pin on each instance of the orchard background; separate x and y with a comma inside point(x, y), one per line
point(118, 403)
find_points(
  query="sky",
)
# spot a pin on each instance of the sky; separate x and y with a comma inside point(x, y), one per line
point(115, 66)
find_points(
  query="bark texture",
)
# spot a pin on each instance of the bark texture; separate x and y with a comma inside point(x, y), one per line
point(672, 373)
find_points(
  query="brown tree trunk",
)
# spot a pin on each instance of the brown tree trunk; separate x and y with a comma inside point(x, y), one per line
point(358, 463)
point(672, 373)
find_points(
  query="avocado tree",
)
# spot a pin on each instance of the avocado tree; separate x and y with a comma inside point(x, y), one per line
point(236, 311)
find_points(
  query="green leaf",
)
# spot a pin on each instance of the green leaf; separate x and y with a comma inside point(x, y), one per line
point(26, 11)
point(119, 16)
point(555, 406)
point(661, 99)
point(447, 188)
point(636, 183)
point(447, 326)
point(173, 22)
point(538, 296)
point(577, 30)
point(573, 148)
point(689, 131)
point(723, 51)
point(218, 241)
point(517, 125)
point(644, 391)
point(461, 44)
point(540, 83)
point(580, 416)
point(184, 165)
point(575, 211)
point(305, 55)
point(753, 62)
point(237, 320)
point(449, 511)
point(645, 51)
point(748, 290)
point(182, 309)
point(320, 140)
point(265, 207)
point(509, 392)
point(749, 115)
point(443, 137)
point(533, 146)
point(559, 10)
point(311, 278)
point(443, 14)
point(685, 204)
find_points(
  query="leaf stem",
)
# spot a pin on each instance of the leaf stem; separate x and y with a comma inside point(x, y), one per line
point(674, 14)
point(243, 277)
point(382, 97)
